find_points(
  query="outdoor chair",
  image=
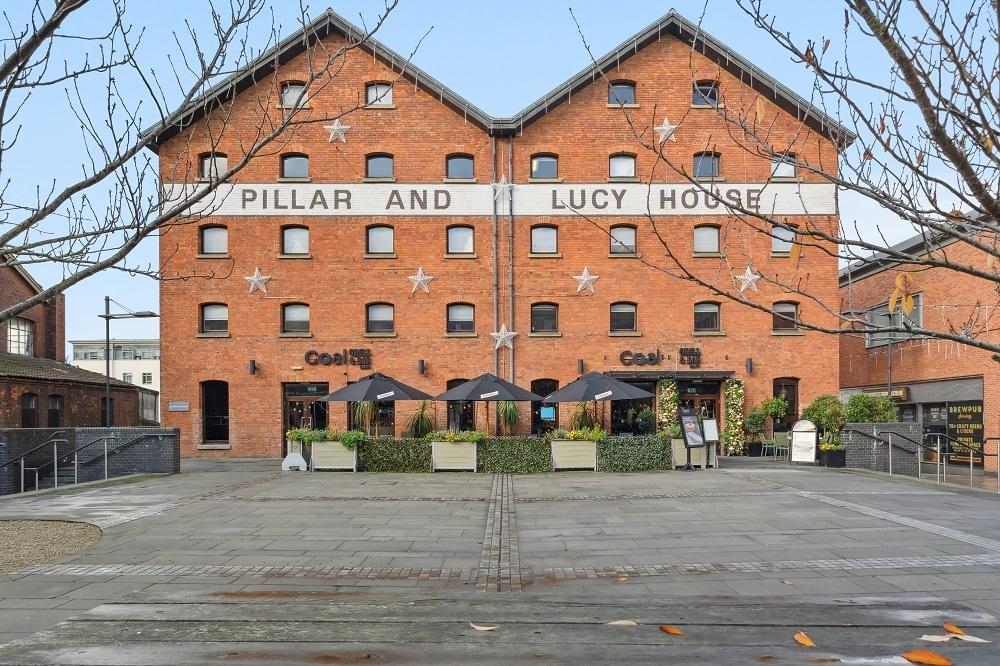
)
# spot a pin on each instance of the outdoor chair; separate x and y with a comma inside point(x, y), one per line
point(767, 445)
point(781, 445)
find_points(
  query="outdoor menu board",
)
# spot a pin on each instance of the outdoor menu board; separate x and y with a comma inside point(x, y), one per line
point(711, 428)
point(693, 437)
point(803, 445)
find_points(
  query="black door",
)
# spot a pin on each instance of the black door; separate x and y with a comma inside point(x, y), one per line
point(215, 411)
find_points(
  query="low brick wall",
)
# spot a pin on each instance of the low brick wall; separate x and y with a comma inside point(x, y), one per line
point(865, 453)
point(151, 451)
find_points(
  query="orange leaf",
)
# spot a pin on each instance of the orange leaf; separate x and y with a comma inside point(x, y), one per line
point(809, 58)
point(867, 156)
point(795, 254)
point(951, 628)
point(893, 299)
point(908, 304)
point(900, 280)
point(881, 125)
point(826, 45)
point(621, 579)
point(802, 638)
point(926, 658)
point(673, 631)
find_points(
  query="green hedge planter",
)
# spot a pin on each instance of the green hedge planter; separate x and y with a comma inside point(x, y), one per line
point(394, 455)
point(643, 453)
point(514, 455)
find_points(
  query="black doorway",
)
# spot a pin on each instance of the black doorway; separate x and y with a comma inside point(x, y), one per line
point(215, 411)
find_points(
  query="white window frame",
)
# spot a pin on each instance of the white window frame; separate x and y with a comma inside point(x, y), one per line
point(286, 89)
point(21, 336)
point(702, 231)
point(379, 229)
point(618, 247)
point(621, 166)
point(378, 94)
point(291, 240)
point(542, 231)
point(450, 249)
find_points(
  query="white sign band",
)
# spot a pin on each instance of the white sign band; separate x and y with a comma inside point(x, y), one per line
point(602, 396)
point(383, 396)
point(491, 394)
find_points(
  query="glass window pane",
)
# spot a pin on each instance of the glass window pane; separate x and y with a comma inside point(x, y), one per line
point(706, 93)
point(214, 318)
point(460, 240)
point(621, 93)
point(461, 318)
point(212, 166)
point(295, 240)
point(379, 166)
point(380, 240)
point(296, 318)
point(788, 310)
point(380, 318)
point(544, 166)
point(459, 166)
point(21, 336)
point(782, 239)
point(214, 240)
point(292, 94)
point(783, 167)
point(544, 318)
point(295, 166)
point(622, 166)
point(544, 240)
point(379, 93)
point(622, 240)
point(706, 239)
point(706, 317)
point(706, 165)
point(623, 317)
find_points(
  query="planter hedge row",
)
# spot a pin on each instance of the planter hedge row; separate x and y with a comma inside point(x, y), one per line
point(515, 455)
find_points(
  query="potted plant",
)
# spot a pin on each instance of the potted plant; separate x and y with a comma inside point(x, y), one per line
point(422, 422)
point(833, 454)
point(753, 422)
point(337, 450)
point(508, 415)
point(301, 440)
point(455, 451)
point(575, 449)
point(583, 416)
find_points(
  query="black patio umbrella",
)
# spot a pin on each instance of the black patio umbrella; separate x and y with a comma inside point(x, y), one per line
point(376, 387)
point(597, 386)
point(488, 388)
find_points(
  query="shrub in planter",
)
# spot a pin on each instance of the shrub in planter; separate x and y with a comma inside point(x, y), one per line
point(866, 408)
point(833, 454)
point(754, 424)
point(422, 422)
point(583, 417)
point(383, 454)
point(827, 412)
point(461, 436)
point(592, 434)
point(306, 437)
point(508, 416)
point(514, 455)
point(634, 454)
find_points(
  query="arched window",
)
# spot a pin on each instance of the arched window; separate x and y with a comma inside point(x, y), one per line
point(215, 411)
point(295, 165)
point(29, 410)
point(461, 240)
point(380, 318)
point(378, 93)
point(295, 318)
point(461, 413)
point(544, 166)
point(623, 317)
point(705, 93)
point(621, 165)
point(379, 239)
point(785, 317)
point(706, 239)
point(706, 165)
point(782, 239)
point(214, 239)
point(459, 167)
point(544, 318)
point(55, 411)
point(295, 240)
point(706, 317)
point(623, 239)
point(212, 165)
point(544, 415)
point(544, 239)
point(461, 318)
point(379, 165)
point(293, 93)
point(788, 389)
point(20, 336)
point(621, 92)
point(214, 318)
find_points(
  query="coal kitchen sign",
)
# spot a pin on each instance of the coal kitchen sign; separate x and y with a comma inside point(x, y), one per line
point(631, 199)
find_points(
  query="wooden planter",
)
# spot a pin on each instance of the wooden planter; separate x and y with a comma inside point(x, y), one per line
point(574, 454)
point(453, 456)
point(335, 456)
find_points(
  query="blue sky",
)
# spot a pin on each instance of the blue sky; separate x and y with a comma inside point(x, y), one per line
point(500, 56)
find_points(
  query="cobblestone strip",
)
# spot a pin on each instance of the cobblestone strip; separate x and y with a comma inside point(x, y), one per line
point(733, 493)
point(350, 498)
point(489, 556)
point(499, 570)
point(223, 571)
point(510, 568)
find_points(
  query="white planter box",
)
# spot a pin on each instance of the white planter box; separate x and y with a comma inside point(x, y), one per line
point(678, 454)
point(574, 454)
point(334, 455)
point(453, 456)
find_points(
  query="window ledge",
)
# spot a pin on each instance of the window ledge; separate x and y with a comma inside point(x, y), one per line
point(786, 179)
point(461, 334)
point(612, 105)
point(380, 255)
point(295, 334)
point(780, 255)
point(203, 179)
point(212, 256)
point(623, 179)
point(380, 335)
point(461, 255)
point(709, 334)
point(290, 108)
point(367, 179)
point(378, 107)
point(545, 180)
point(213, 334)
point(711, 179)
point(624, 255)
point(789, 331)
point(545, 334)
point(217, 446)
point(625, 334)
point(708, 106)
point(283, 179)
point(545, 255)
point(706, 255)
point(295, 256)
point(459, 180)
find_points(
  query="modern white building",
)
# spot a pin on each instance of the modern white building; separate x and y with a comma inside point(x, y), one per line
point(133, 361)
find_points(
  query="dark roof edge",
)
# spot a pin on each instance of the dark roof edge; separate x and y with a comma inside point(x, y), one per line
point(672, 21)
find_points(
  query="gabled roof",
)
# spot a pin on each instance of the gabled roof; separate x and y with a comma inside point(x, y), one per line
point(670, 24)
point(19, 366)
point(25, 275)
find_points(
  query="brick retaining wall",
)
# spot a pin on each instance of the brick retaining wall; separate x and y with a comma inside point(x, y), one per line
point(866, 453)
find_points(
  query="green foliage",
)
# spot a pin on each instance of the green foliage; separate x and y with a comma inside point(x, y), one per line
point(594, 434)
point(667, 401)
point(867, 408)
point(832, 446)
point(306, 435)
point(462, 436)
point(754, 421)
point(640, 421)
point(827, 412)
point(383, 454)
point(422, 422)
point(508, 415)
point(514, 455)
point(775, 407)
point(363, 412)
point(634, 454)
point(583, 416)
point(734, 434)
point(350, 439)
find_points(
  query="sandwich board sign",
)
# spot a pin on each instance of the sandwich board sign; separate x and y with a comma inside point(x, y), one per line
point(803, 444)
point(693, 437)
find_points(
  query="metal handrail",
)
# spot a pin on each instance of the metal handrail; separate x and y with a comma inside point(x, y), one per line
point(890, 445)
point(118, 448)
point(33, 449)
point(77, 450)
point(971, 449)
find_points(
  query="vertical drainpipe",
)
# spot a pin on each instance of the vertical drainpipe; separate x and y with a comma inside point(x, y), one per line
point(496, 266)
point(510, 247)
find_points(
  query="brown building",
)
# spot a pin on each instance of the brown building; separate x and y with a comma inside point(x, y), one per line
point(505, 215)
point(38, 390)
point(948, 387)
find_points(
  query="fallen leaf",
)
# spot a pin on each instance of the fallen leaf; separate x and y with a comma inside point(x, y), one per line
point(673, 631)
point(802, 638)
point(787, 582)
point(623, 623)
point(621, 579)
point(795, 254)
point(967, 638)
point(926, 658)
point(951, 628)
point(479, 627)
point(935, 638)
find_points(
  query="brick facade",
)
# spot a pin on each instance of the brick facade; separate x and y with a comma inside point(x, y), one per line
point(81, 403)
point(337, 280)
point(49, 317)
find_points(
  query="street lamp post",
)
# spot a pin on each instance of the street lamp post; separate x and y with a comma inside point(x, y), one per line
point(107, 317)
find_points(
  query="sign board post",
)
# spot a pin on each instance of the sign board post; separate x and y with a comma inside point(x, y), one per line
point(693, 436)
point(711, 428)
point(803, 445)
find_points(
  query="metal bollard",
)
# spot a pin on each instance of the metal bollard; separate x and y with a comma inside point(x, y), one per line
point(55, 465)
point(76, 468)
point(22, 474)
point(937, 461)
point(105, 458)
point(972, 480)
point(890, 453)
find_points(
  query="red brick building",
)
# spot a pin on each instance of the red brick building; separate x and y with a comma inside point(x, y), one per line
point(948, 387)
point(503, 214)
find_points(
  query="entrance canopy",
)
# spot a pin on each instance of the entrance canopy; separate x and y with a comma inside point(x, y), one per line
point(377, 387)
point(489, 388)
point(597, 386)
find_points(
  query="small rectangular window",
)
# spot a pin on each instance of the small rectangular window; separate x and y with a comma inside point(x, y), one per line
point(706, 239)
point(545, 167)
point(294, 166)
point(461, 318)
point(380, 240)
point(783, 166)
point(127, 377)
point(706, 165)
point(380, 318)
point(214, 318)
point(213, 165)
point(782, 239)
point(459, 167)
point(622, 240)
point(544, 240)
point(379, 166)
point(147, 378)
point(378, 94)
point(293, 94)
point(623, 317)
point(706, 317)
point(621, 166)
point(544, 318)
point(785, 317)
point(705, 93)
point(461, 240)
point(295, 319)
point(21, 336)
point(621, 93)
point(295, 240)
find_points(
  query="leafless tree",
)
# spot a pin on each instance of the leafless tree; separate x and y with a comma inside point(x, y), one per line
point(924, 150)
point(95, 220)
